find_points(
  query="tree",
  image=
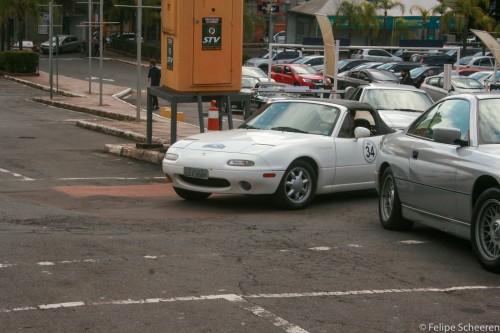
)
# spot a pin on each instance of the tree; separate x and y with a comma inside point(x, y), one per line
point(369, 22)
point(21, 9)
point(425, 13)
point(348, 12)
point(403, 29)
point(444, 21)
point(387, 5)
point(465, 13)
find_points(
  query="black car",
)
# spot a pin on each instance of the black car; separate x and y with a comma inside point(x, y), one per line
point(396, 67)
point(434, 59)
point(420, 73)
point(347, 64)
point(356, 77)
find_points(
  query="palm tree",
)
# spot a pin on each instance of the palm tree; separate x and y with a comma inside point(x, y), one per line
point(403, 29)
point(368, 21)
point(348, 12)
point(466, 12)
point(387, 5)
point(444, 19)
point(425, 13)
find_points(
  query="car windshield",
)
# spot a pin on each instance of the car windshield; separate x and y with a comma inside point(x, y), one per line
point(305, 70)
point(489, 121)
point(466, 83)
point(254, 71)
point(397, 99)
point(464, 61)
point(491, 78)
point(417, 71)
point(384, 75)
point(293, 116)
point(248, 82)
point(387, 65)
point(480, 75)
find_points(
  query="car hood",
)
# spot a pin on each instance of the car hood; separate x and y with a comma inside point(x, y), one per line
point(311, 76)
point(398, 119)
point(239, 140)
point(255, 60)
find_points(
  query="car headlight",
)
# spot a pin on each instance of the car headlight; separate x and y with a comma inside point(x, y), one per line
point(242, 163)
point(171, 157)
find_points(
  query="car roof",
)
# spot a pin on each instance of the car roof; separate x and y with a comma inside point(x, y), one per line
point(398, 86)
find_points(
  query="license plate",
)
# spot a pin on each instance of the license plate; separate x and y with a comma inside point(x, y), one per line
point(196, 173)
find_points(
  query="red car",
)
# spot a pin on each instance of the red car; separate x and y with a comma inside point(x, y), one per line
point(297, 75)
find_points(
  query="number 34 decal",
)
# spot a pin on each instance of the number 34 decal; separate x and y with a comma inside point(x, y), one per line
point(369, 151)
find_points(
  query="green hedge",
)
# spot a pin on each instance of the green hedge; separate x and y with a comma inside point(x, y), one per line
point(19, 61)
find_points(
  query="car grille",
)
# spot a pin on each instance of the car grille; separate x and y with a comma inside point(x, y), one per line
point(210, 182)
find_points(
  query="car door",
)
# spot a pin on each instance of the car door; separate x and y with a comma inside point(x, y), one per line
point(288, 75)
point(433, 88)
point(356, 157)
point(432, 165)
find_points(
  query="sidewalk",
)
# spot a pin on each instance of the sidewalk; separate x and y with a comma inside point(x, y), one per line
point(114, 116)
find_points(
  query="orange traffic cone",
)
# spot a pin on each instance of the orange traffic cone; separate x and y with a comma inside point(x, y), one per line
point(213, 117)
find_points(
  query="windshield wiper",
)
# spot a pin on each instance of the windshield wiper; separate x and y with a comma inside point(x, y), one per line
point(410, 110)
point(287, 129)
point(248, 127)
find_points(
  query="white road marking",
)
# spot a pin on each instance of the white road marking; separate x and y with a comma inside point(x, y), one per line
point(241, 301)
point(411, 242)
point(97, 78)
point(21, 177)
point(320, 248)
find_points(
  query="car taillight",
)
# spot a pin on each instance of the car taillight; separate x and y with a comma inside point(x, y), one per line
point(422, 60)
point(361, 57)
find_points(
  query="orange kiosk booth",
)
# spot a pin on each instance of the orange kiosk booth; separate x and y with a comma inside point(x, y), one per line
point(202, 45)
point(201, 58)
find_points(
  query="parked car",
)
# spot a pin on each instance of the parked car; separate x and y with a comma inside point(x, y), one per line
point(482, 62)
point(397, 104)
point(483, 53)
point(443, 171)
point(278, 57)
point(433, 60)
point(355, 78)
point(487, 78)
point(129, 36)
point(420, 73)
point(434, 86)
point(248, 83)
point(28, 45)
point(297, 75)
point(255, 72)
point(312, 60)
point(67, 43)
point(267, 92)
point(291, 150)
point(397, 66)
point(468, 52)
point(347, 64)
point(374, 55)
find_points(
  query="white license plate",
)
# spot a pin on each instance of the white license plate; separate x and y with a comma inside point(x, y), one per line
point(196, 173)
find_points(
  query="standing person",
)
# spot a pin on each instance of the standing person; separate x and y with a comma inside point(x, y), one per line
point(154, 76)
point(406, 78)
point(95, 41)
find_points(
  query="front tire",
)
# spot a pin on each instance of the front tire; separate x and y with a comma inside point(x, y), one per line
point(297, 187)
point(389, 205)
point(191, 195)
point(485, 229)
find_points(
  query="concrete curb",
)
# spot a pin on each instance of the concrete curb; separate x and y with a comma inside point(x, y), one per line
point(151, 155)
point(94, 111)
point(133, 136)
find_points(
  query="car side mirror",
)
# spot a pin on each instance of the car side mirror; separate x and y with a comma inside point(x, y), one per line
point(361, 132)
point(447, 135)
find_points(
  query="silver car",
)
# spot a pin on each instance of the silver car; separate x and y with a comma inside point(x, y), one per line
point(374, 55)
point(434, 86)
point(397, 104)
point(444, 172)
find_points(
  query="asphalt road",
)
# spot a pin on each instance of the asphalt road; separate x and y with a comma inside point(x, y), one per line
point(92, 242)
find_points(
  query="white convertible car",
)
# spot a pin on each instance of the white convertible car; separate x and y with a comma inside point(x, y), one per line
point(291, 149)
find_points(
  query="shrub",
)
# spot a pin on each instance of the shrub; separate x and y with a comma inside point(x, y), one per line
point(19, 61)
